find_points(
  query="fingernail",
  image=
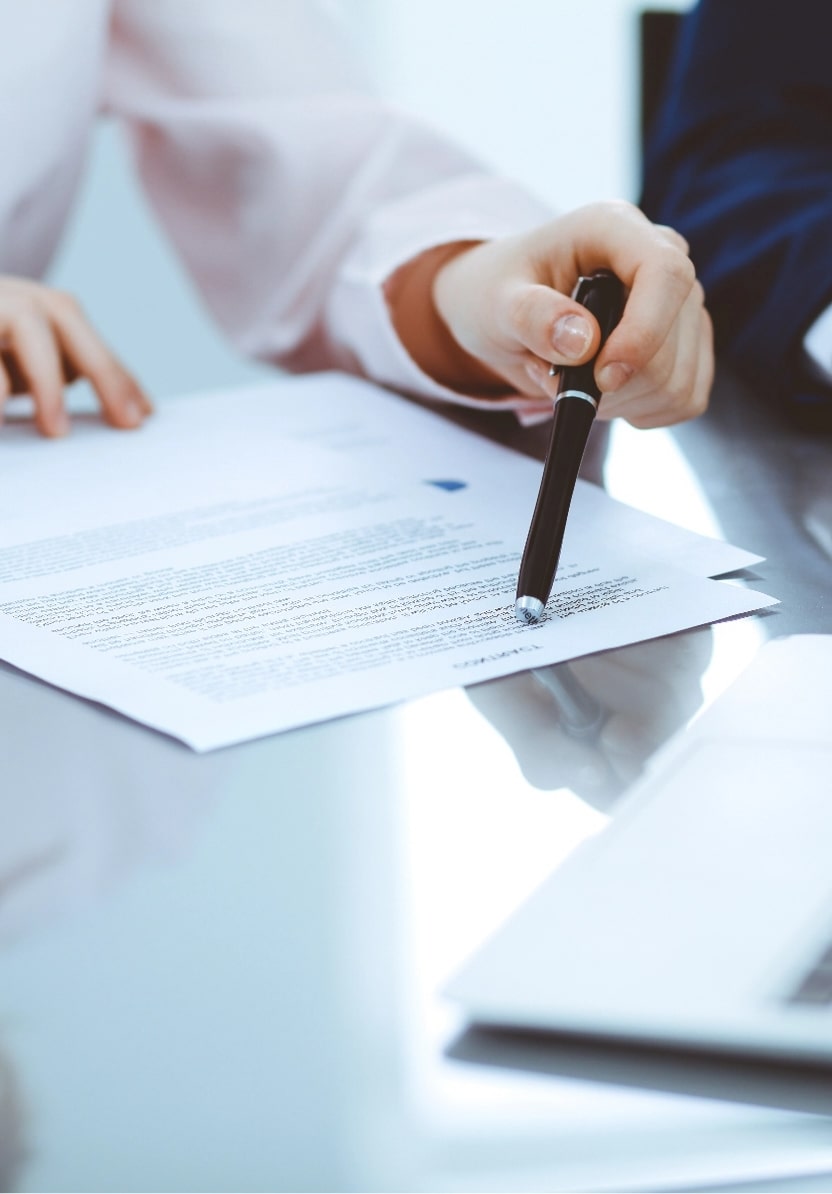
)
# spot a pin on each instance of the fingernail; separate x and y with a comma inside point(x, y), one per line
point(134, 411)
point(612, 377)
point(571, 336)
point(60, 423)
point(140, 400)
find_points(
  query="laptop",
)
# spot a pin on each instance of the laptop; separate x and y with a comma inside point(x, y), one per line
point(701, 916)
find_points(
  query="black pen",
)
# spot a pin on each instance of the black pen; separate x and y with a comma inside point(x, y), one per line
point(575, 406)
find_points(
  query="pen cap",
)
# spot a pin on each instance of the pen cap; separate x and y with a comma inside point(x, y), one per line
point(603, 296)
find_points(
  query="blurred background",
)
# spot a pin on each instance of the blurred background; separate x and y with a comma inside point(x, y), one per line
point(546, 91)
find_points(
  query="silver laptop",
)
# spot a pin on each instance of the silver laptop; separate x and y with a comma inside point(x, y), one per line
point(702, 914)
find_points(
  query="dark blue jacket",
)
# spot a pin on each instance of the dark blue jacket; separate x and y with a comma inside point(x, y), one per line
point(740, 162)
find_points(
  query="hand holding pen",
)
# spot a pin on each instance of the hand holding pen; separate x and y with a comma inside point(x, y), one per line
point(506, 305)
point(507, 315)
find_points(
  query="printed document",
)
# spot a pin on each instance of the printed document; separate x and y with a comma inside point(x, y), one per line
point(256, 560)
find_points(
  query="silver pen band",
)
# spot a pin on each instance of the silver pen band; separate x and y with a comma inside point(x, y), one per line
point(578, 394)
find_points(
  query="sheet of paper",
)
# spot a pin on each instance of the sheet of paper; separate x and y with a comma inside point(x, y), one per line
point(255, 561)
point(233, 436)
point(351, 417)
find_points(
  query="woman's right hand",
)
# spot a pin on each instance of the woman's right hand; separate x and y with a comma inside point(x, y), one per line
point(47, 342)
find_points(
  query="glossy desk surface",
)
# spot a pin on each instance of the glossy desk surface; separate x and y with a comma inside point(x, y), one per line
point(222, 972)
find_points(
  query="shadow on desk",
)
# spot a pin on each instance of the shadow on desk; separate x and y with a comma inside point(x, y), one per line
point(692, 1073)
point(769, 484)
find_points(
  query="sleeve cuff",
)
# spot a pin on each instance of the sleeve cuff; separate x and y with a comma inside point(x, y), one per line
point(817, 344)
point(476, 207)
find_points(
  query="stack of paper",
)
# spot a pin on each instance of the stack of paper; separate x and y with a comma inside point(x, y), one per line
point(256, 560)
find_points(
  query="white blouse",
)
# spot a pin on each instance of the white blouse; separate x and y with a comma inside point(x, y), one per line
point(289, 191)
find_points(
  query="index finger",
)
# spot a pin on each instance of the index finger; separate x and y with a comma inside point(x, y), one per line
point(122, 399)
point(660, 277)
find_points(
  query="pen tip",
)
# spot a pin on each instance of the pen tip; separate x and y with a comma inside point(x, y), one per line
point(528, 610)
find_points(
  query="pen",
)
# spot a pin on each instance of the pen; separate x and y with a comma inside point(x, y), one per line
point(581, 716)
point(575, 406)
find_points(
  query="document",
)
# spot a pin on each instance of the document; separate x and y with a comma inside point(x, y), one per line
point(257, 560)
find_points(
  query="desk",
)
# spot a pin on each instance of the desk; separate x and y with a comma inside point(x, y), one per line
point(220, 972)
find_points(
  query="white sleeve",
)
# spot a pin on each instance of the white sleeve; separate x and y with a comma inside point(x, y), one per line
point(290, 192)
point(818, 344)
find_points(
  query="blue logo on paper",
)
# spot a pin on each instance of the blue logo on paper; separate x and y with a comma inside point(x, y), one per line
point(448, 486)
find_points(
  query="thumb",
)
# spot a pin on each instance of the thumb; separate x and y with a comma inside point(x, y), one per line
point(553, 327)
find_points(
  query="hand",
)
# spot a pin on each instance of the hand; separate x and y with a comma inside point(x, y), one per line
point(46, 342)
point(506, 314)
